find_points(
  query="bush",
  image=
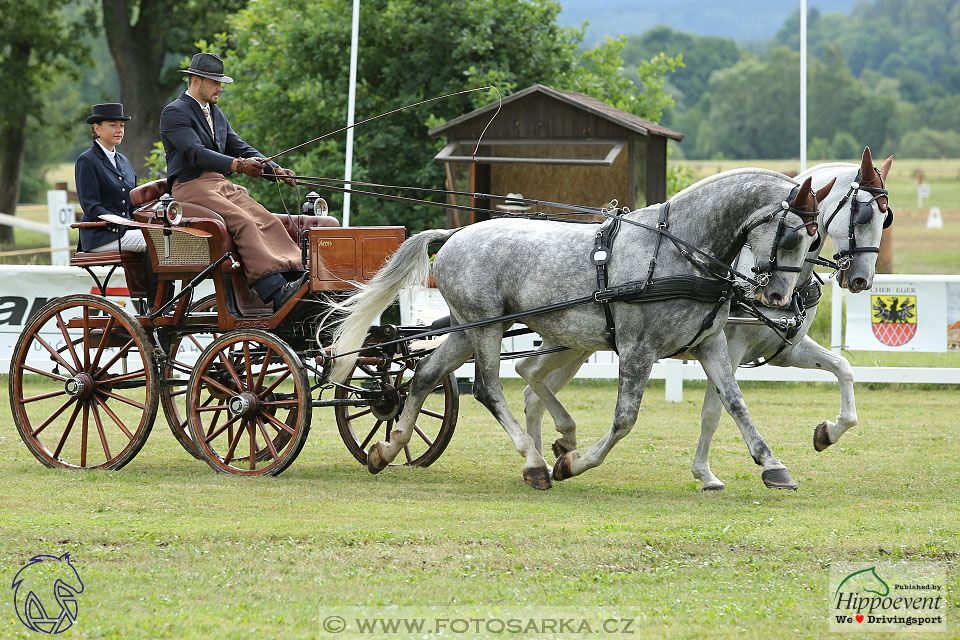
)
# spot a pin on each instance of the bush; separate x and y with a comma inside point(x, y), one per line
point(928, 143)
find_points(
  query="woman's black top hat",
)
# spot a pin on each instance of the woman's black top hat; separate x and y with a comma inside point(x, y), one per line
point(107, 111)
point(207, 65)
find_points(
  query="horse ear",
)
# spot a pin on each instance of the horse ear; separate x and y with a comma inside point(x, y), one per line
point(824, 191)
point(885, 169)
point(866, 165)
point(803, 195)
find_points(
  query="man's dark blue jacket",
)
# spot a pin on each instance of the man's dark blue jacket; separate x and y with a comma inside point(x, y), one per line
point(190, 147)
point(101, 189)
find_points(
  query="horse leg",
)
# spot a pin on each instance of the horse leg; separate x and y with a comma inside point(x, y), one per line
point(710, 414)
point(453, 352)
point(808, 354)
point(635, 367)
point(713, 355)
point(489, 392)
point(545, 376)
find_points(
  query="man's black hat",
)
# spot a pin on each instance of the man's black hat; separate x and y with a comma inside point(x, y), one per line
point(207, 65)
point(107, 111)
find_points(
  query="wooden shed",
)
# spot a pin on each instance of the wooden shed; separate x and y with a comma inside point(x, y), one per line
point(559, 146)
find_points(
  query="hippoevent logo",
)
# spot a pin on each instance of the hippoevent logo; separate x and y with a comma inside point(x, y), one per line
point(887, 597)
point(894, 318)
point(45, 593)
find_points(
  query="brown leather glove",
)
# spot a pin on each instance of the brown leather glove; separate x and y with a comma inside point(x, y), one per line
point(252, 167)
point(285, 175)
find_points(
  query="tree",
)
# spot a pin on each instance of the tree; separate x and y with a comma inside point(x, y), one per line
point(144, 36)
point(292, 82)
point(36, 45)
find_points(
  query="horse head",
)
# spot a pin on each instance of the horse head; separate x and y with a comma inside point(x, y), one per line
point(781, 240)
point(868, 214)
point(41, 582)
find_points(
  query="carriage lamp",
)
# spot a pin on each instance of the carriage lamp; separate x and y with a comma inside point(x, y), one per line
point(315, 205)
point(170, 213)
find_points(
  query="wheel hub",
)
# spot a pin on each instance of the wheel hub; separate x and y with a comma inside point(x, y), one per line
point(245, 404)
point(80, 386)
point(386, 404)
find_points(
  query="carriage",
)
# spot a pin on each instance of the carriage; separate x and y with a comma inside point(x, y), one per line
point(236, 381)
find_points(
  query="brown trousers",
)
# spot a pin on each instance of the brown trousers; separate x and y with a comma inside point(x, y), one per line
point(265, 246)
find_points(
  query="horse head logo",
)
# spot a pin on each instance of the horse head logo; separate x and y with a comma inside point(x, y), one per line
point(865, 580)
point(43, 581)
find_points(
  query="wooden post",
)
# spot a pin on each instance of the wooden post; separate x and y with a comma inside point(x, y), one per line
point(885, 259)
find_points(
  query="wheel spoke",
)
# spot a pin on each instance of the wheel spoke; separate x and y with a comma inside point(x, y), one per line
point(103, 435)
point(41, 372)
point(432, 414)
point(359, 414)
point(174, 394)
point(211, 434)
point(66, 338)
point(213, 383)
point(229, 367)
point(233, 446)
point(277, 423)
point(423, 435)
point(119, 354)
point(366, 441)
point(286, 374)
point(43, 396)
point(66, 432)
point(86, 346)
point(219, 407)
point(121, 378)
point(53, 417)
point(263, 431)
point(263, 371)
point(55, 355)
point(249, 371)
point(121, 399)
point(114, 417)
point(103, 340)
point(83, 433)
point(406, 451)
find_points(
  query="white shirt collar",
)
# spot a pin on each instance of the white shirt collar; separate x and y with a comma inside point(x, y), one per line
point(111, 155)
point(197, 101)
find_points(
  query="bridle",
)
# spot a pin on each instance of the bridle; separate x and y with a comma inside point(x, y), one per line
point(861, 213)
point(787, 237)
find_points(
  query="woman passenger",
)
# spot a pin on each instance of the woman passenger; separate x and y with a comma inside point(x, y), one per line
point(104, 180)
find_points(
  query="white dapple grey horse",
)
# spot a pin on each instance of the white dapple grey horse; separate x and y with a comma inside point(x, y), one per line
point(503, 266)
point(856, 239)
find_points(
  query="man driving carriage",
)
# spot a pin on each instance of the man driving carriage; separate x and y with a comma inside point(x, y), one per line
point(201, 150)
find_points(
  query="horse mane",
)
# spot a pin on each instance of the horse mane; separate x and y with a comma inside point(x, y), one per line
point(733, 172)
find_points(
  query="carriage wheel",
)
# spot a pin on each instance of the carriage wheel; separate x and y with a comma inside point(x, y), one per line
point(362, 426)
point(83, 384)
point(173, 399)
point(249, 404)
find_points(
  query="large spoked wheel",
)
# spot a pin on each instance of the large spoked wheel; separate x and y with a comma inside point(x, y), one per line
point(384, 390)
point(83, 384)
point(249, 404)
point(181, 357)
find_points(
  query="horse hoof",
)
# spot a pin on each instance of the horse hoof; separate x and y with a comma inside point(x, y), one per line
point(559, 449)
point(538, 478)
point(562, 468)
point(716, 487)
point(375, 461)
point(778, 479)
point(821, 440)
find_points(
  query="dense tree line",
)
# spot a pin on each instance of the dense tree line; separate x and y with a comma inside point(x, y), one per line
point(887, 75)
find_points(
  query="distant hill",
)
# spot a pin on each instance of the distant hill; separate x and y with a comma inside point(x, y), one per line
point(742, 20)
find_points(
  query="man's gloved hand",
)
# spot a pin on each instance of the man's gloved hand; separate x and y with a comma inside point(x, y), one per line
point(285, 175)
point(252, 167)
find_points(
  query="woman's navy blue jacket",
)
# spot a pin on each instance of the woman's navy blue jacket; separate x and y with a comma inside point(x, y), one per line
point(101, 189)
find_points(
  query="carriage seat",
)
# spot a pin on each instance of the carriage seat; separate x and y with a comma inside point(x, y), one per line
point(131, 263)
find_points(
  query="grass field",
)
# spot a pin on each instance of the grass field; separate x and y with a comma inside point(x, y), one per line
point(169, 549)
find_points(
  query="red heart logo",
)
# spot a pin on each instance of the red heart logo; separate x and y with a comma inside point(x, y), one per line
point(859, 618)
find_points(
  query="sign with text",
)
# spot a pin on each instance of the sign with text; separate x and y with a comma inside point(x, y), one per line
point(900, 313)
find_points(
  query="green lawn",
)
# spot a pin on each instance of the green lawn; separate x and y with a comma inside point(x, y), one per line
point(169, 549)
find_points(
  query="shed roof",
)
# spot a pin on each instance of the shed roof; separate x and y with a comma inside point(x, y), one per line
point(576, 99)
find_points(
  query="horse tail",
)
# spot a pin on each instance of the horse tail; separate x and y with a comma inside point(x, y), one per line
point(410, 264)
